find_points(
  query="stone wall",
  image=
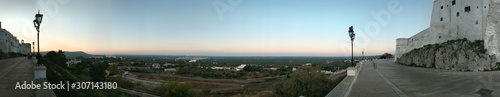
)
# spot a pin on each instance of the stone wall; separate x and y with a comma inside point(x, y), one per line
point(401, 47)
point(492, 33)
point(458, 19)
point(456, 55)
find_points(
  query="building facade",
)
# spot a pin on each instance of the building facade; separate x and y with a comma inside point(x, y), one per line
point(10, 43)
point(458, 19)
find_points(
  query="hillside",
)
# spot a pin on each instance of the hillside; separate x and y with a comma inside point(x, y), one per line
point(455, 55)
point(73, 54)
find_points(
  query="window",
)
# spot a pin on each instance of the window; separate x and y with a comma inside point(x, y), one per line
point(439, 36)
point(453, 2)
point(441, 18)
point(458, 14)
point(467, 9)
point(477, 22)
point(441, 7)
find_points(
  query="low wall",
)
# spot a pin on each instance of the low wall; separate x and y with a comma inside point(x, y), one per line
point(344, 87)
point(40, 72)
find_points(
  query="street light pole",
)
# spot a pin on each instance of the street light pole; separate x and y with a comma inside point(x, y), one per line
point(352, 35)
point(36, 23)
point(33, 49)
point(363, 53)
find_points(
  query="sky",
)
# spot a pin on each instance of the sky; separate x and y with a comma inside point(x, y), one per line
point(217, 27)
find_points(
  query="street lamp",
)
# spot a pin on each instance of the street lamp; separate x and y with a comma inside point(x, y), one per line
point(33, 45)
point(363, 53)
point(36, 23)
point(352, 35)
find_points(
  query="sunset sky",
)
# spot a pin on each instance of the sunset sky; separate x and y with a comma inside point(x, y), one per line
point(195, 27)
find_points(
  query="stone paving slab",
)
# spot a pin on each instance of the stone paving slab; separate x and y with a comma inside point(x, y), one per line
point(15, 70)
point(394, 80)
point(370, 84)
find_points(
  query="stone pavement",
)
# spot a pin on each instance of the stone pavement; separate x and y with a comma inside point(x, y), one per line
point(393, 80)
point(15, 70)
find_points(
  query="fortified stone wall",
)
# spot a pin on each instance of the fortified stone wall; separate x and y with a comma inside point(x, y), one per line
point(492, 32)
point(401, 46)
point(456, 19)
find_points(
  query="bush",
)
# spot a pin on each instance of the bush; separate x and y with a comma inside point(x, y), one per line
point(97, 72)
point(386, 56)
point(175, 89)
point(309, 84)
point(56, 57)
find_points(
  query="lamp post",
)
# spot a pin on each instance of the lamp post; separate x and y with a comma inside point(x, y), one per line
point(33, 48)
point(363, 53)
point(352, 35)
point(36, 23)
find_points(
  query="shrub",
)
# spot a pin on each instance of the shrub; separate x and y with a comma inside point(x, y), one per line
point(309, 84)
point(175, 89)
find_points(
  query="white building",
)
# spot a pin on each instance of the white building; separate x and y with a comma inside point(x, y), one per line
point(156, 65)
point(72, 62)
point(457, 19)
point(10, 43)
point(25, 48)
point(239, 68)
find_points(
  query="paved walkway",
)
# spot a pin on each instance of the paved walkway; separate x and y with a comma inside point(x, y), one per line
point(394, 80)
point(15, 70)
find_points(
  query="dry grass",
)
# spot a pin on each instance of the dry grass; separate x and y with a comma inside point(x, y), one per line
point(215, 88)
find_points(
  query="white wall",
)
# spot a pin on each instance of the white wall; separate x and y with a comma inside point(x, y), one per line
point(446, 25)
point(401, 47)
point(492, 30)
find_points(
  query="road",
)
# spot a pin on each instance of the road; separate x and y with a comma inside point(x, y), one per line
point(15, 70)
point(394, 80)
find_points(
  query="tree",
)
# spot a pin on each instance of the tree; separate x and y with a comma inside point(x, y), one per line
point(81, 68)
point(97, 72)
point(175, 89)
point(56, 57)
point(304, 83)
point(253, 68)
point(386, 56)
point(113, 69)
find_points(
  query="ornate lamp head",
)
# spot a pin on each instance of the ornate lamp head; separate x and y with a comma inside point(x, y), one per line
point(38, 20)
point(351, 33)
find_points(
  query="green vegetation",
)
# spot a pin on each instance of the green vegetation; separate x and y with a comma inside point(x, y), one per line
point(253, 68)
point(56, 73)
point(81, 68)
point(208, 73)
point(303, 83)
point(57, 57)
point(97, 72)
point(386, 56)
point(334, 66)
point(477, 47)
point(498, 66)
point(175, 89)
